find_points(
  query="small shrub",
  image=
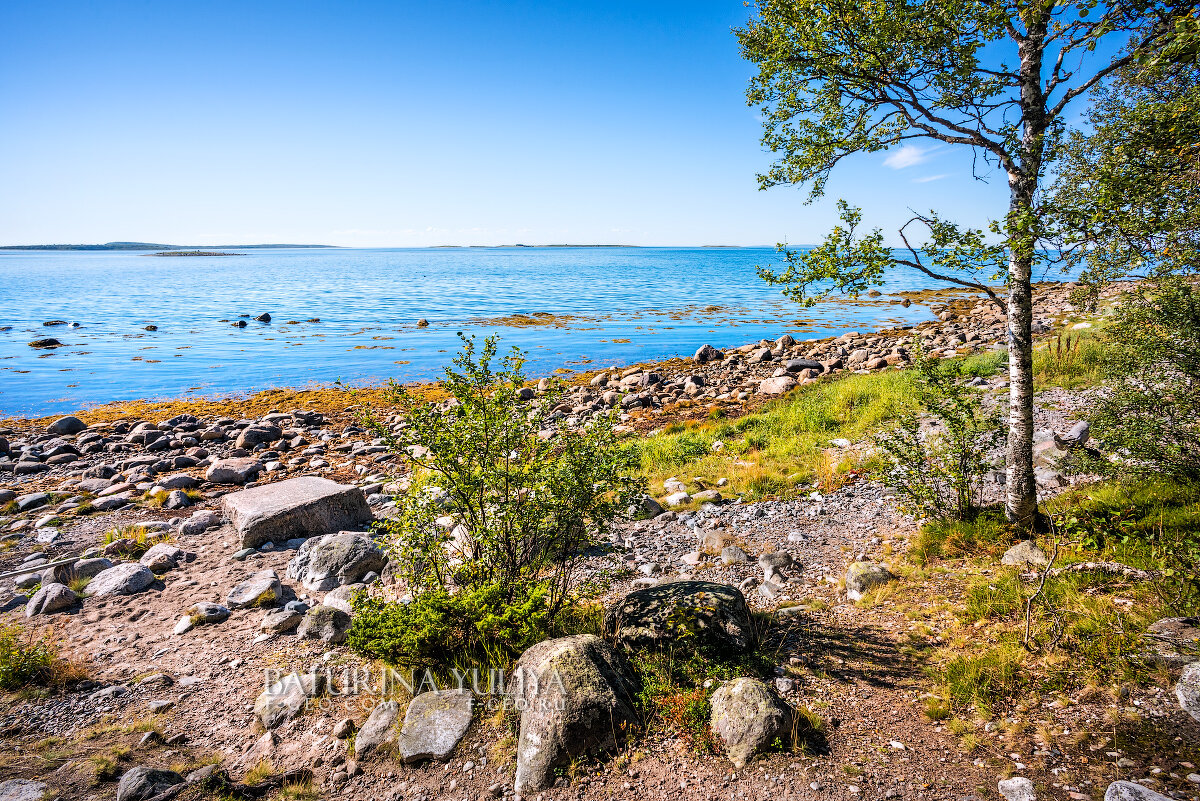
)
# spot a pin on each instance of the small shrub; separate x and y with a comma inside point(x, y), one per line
point(26, 661)
point(939, 474)
point(982, 680)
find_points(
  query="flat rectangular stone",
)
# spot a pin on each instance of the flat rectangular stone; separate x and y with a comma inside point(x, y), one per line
point(298, 507)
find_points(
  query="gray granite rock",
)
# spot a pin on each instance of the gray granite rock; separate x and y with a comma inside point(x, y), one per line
point(297, 507)
point(747, 718)
point(127, 578)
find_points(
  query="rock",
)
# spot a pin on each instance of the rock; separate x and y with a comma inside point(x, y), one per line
point(379, 729)
point(83, 569)
point(1075, 438)
point(285, 699)
point(1018, 788)
point(22, 790)
point(1128, 791)
point(773, 564)
point(66, 426)
point(747, 718)
point(1188, 690)
point(691, 613)
point(263, 318)
point(777, 385)
point(281, 621)
point(51, 598)
point(434, 723)
point(1173, 640)
point(708, 496)
point(207, 612)
point(297, 507)
point(261, 589)
point(422, 323)
point(343, 729)
point(707, 353)
point(677, 498)
point(733, 555)
point(162, 557)
point(796, 365)
point(48, 342)
point(863, 576)
point(177, 499)
point(128, 578)
point(577, 696)
point(325, 623)
point(31, 501)
point(1025, 553)
point(323, 563)
point(647, 507)
point(258, 435)
point(142, 784)
point(200, 522)
point(237, 470)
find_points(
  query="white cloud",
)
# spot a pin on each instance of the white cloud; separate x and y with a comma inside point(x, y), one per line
point(907, 156)
point(927, 178)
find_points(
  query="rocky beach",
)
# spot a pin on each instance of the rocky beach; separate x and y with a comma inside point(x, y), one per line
point(197, 571)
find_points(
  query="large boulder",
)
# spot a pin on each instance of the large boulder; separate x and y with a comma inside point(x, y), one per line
point(863, 576)
point(261, 589)
point(1188, 690)
point(142, 784)
point(707, 353)
point(747, 718)
point(298, 507)
point(83, 569)
point(236, 470)
point(127, 578)
point(285, 699)
point(51, 598)
point(693, 613)
point(434, 723)
point(577, 696)
point(379, 729)
point(258, 434)
point(324, 563)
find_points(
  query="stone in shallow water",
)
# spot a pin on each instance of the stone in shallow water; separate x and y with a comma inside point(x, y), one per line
point(298, 507)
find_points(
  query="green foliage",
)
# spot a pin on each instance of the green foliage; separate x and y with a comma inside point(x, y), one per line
point(784, 445)
point(673, 697)
point(982, 680)
point(24, 660)
point(1125, 196)
point(1150, 415)
point(986, 533)
point(1070, 360)
point(939, 473)
point(504, 503)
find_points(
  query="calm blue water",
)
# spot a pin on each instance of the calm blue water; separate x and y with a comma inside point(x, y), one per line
point(622, 305)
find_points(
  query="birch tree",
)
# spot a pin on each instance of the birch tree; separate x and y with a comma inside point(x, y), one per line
point(996, 77)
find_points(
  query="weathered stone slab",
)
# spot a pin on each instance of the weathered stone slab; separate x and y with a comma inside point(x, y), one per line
point(298, 507)
point(434, 723)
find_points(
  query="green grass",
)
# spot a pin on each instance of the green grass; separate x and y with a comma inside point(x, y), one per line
point(785, 445)
point(29, 661)
point(142, 538)
point(987, 534)
point(1070, 359)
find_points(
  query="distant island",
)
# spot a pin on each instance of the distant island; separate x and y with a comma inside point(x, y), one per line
point(148, 246)
point(193, 253)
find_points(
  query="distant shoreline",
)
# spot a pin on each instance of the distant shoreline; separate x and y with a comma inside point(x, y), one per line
point(193, 253)
point(151, 246)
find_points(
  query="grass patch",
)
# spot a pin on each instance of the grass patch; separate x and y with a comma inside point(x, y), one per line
point(156, 500)
point(1070, 359)
point(988, 533)
point(782, 447)
point(138, 539)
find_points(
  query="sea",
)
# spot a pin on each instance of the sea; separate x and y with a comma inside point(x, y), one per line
point(351, 315)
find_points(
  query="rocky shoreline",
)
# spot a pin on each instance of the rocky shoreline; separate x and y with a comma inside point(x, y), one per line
point(201, 568)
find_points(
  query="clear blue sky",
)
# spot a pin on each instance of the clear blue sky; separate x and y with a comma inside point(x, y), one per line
point(409, 124)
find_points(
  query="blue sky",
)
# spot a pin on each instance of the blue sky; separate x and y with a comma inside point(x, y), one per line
point(411, 124)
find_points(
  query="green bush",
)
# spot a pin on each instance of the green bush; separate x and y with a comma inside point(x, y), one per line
point(504, 502)
point(938, 474)
point(23, 659)
point(1150, 414)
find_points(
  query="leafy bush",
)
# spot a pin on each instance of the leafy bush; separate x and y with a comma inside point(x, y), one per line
point(504, 502)
point(939, 473)
point(1151, 412)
